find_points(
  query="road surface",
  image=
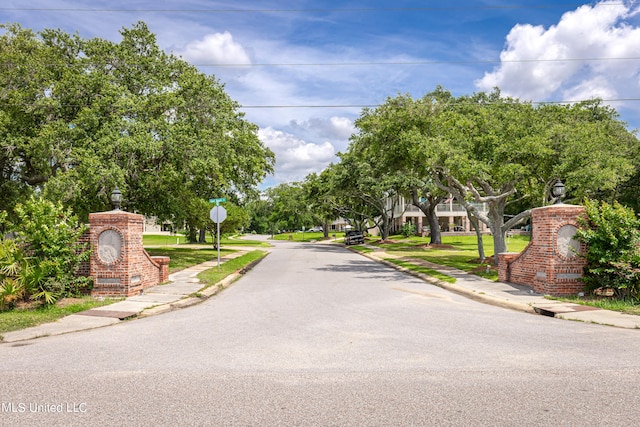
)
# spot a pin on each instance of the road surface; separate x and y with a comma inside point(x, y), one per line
point(316, 335)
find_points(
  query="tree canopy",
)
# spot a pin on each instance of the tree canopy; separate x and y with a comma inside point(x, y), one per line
point(80, 116)
point(486, 148)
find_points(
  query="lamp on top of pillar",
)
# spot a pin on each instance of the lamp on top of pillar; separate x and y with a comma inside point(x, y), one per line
point(116, 199)
point(559, 191)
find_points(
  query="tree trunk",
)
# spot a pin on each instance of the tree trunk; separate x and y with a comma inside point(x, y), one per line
point(476, 225)
point(428, 208)
point(191, 234)
point(202, 238)
point(499, 239)
point(434, 226)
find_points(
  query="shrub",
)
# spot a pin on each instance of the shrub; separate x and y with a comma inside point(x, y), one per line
point(46, 252)
point(408, 229)
point(613, 255)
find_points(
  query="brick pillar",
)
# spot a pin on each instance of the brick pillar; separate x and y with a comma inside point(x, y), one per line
point(119, 264)
point(549, 263)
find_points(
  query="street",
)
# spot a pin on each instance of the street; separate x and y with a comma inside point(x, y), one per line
point(318, 335)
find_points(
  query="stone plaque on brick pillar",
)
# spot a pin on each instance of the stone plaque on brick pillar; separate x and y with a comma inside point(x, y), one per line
point(119, 264)
point(550, 263)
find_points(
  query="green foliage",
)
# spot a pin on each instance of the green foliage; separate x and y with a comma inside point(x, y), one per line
point(79, 116)
point(408, 229)
point(611, 235)
point(41, 261)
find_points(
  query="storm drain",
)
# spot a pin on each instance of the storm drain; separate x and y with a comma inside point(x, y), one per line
point(122, 315)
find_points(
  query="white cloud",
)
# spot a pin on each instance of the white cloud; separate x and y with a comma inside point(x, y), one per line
point(218, 48)
point(296, 158)
point(335, 127)
point(600, 31)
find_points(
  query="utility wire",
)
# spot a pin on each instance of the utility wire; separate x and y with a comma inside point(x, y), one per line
point(312, 10)
point(382, 63)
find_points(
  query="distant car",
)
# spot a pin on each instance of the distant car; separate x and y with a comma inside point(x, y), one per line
point(354, 237)
point(315, 229)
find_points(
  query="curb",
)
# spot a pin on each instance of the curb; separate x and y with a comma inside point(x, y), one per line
point(498, 302)
point(188, 301)
point(204, 293)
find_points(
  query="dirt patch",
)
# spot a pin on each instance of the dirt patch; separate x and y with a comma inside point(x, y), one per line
point(488, 260)
point(437, 246)
point(65, 302)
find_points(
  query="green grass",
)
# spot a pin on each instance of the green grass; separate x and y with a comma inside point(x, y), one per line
point(623, 306)
point(163, 240)
point(179, 239)
point(305, 237)
point(214, 275)
point(182, 258)
point(27, 317)
point(422, 269)
point(456, 251)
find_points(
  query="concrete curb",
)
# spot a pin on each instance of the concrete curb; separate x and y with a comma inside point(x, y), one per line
point(77, 322)
point(452, 287)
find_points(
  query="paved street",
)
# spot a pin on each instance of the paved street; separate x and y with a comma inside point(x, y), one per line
point(317, 335)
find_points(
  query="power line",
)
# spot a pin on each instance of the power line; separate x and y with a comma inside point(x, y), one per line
point(373, 105)
point(378, 105)
point(433, 62)
point(311, 10)
point(383, 63)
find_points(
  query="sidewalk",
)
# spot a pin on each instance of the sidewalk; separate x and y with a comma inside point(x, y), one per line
point(184, 289)
point(514, 297)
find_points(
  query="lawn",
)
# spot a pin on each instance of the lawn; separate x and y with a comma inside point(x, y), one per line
point(456, 251)
point(182, 258)
point(179, 239)
point(299, 236)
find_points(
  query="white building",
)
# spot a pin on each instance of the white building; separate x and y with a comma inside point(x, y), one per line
point(452, 216)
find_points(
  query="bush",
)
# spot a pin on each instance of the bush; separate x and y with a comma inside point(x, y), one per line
point(41, 261)
point(613, 255)
point(408, 229)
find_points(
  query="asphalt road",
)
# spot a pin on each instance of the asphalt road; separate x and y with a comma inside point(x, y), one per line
point(318, 336)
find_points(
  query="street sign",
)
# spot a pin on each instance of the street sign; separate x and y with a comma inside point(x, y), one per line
point(218, 200)
point(218, 214)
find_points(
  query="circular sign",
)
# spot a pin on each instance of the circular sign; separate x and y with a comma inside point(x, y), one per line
point(566, 243)
point(218, 214)
point(109, 246)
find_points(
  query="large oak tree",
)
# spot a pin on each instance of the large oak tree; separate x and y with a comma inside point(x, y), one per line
point(80, 116)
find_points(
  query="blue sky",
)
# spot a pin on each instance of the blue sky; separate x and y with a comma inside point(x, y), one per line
point(302, 70)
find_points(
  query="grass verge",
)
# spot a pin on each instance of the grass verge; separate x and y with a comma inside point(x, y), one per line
point(22, 318)
point(421, 269)
point(623, 306)
point(214, 275)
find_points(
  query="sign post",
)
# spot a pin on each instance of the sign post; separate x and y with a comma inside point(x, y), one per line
point(217, 215)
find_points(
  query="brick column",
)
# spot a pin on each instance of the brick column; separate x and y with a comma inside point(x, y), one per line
point(549, 263)
point(119, 264)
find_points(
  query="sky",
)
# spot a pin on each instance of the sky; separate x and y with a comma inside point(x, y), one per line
point(304, 70)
